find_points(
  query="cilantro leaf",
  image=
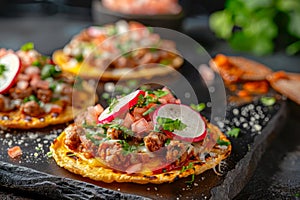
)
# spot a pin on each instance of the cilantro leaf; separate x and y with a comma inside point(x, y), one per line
point(222, 142)
point(234, 132)
point(268, 101)
point(27, 46)
point(199, 107)
point(2, 69)
point(169, 124)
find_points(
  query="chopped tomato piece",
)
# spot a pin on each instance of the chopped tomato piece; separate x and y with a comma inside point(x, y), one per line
point(140, 126)
point(56, 109)
point(14, 151)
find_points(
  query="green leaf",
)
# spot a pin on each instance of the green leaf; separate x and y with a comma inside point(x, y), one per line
point(268, 101)
point(160, 93)
point(30, 98)
point(50, 71)
point(191, 181)
point(27, 46)
point(2, 69)
point(150, 110)
point(221, 23)
point(222, 142)
point(199, 107)
point(169, 124)
point(234, 132)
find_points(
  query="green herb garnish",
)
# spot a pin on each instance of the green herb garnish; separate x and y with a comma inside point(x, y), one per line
point(50, 71)
point(160, 93)
point(184, 168)
point(169, 124)
point(150, 110)
point(36, 63)
point(167, 142)
point(79, 58)
point(127, 148)
point(199, 107)
point(165, 62)
point(2, 69)
point(49, 154)
point(31, 98)
point(268, 101)
point(234, 132)
point(222, 142)
point(27, 46)
point(191, 181)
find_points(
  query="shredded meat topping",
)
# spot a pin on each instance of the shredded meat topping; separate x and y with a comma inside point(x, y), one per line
point(44, 95)
point(73, 137)
point(17, 93)
point(176, 152)
point(154, 141)
point(114, 133)
point(32, 108)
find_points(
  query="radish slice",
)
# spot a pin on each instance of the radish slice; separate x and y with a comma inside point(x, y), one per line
point(122, 104)
point(12, 68)
point(195, 129)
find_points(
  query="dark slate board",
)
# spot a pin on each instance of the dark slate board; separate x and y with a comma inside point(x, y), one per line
point(36, 174)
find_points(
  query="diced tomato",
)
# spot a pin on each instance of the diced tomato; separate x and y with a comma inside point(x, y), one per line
point(22, 85)
point(140, 126)
point(14, 151)
point(169, 98)
point(56, 109)
point(135, 25)
point(138, 113)
point(129, 119)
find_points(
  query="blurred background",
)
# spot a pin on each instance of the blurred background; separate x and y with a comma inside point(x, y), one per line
point(255, 29)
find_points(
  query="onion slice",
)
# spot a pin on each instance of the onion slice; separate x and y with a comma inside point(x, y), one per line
point(12, 66)
point(195, 129)
point(123, 104)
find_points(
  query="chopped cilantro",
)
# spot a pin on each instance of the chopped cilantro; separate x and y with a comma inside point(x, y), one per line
point(79, 58)
point(127, 148)
point(222, 142)
point(49, 154)
point(169, 124)
point(36, 63)
point(160, 93)
point(268, 101)
point(191, 181)
point(234, 132)
point(27, 46)
point(50, 71)
point(52, 86)
point(150, 29)
point(199, 107)
point(2, 69)
point(150, 110)
point(165, 62)
point(184, 168)
point(167, 142)
point(31, 98)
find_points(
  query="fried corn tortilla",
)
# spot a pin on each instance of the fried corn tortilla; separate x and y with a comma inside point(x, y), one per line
point(86, 70)
point(77, 163)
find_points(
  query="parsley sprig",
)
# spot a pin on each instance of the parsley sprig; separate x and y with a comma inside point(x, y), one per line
point(2, 69)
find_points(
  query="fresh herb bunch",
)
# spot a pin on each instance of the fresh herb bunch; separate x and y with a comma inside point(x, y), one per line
point(255, 25)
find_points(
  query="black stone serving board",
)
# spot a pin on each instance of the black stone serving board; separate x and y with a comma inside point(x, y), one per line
point(37, 175)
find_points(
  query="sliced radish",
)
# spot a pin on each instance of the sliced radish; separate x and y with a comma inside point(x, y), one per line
point(12, 68)
point(195, 129)
point(123, 104)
